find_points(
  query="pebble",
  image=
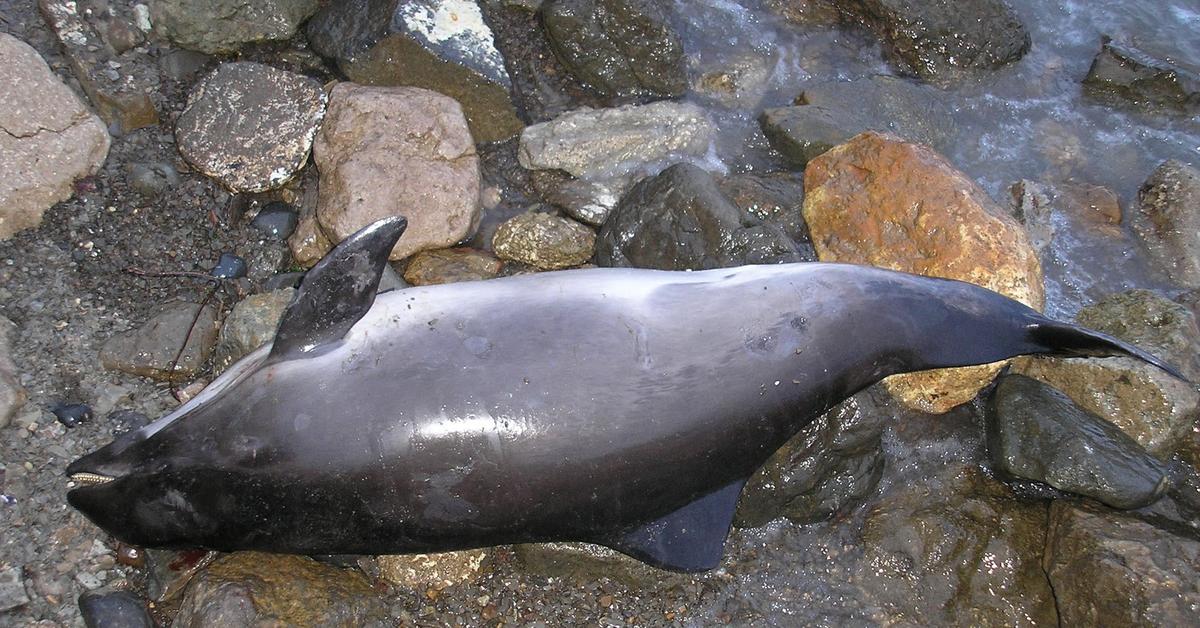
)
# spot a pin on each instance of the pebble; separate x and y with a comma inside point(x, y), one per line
point(12, 589)
point(114, 609)
point(72, 414)
point(229, 266)
point(277, 220)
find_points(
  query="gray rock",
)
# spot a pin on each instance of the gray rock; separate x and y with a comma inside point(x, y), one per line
point(150, 350)
point(12, 589)
point(618, 47)
point(445, 46)
point(1123, 75)
point(114, 609)
point(251, 324)
point(250, 126)
point(12, 395)
point(1167, 219)
point(1038, 433)
point(42, 149)
point(589, 202)
point(834, 462)
point(830, 113)
point(944, 41)
point(1157, 410)
point(679, 220)
point(1112, 570)
point(776, 198)
point(151, 180)
point(584, 562)
point(222, 26)
point(544, 241)
point(1033, 206)
point(277, 220)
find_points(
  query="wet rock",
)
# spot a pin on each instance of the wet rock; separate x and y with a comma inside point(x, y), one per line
point(253, 589)
point(251, 324)
point(152, 180)
point(114, 609)
point(1038, 433)
point(881, 201)
point(544, 241)
point(223, 26)
point(1107, 569)
point(308, 242)
point(679, 220)
point(444, 46)
point(168, 572)
point(451, 266)
point(1157, 410)
point(944, 41)
point(72, 414)
point(1123, 75)
point(12, 394)
point(832, 463)
point(776, 198)
point(739, 82)
point(150, 350)
point(277, 220)
point(42, 149)
point(807, 12)
point(229, 266)
point(117, 85)
point(1033, 206)
point(828, 114)
point(436, 571)
point(250, 126)
point(12, 589)
point(1167, 219)
point(617, 47)
point(386, 151)
point(589, 202)
point(957, 549)
point(585, 562)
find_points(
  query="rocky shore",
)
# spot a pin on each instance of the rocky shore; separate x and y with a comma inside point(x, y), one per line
point(169, 169)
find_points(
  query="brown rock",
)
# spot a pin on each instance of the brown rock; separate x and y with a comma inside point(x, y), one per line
point(436, 571)
point(1167, 220)
point(879, 200)
point(544, 241)
point(1112, 570)
point(386, 151)
point(429, 268)
point(308, 242)
point(1096, 203)
point(43, 149)
point(151, 349)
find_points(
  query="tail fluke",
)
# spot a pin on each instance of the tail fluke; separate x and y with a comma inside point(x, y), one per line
point(1067, 340)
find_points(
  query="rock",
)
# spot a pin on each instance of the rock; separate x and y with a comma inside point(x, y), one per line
point(114, 609)
point(828, 114)
point(12, 394)
point(72, 414)
point(150, 350)
point(1096, 204)
point(617, 47)
point(121, 98)
point(832, 463)
point(776, 198)
point(151, 180)
point(42, 149)
point(1167, 220)
point(944, 41)
point(1038, 433)
point(1157, 410)
point(250, 126)
point(957, 549)
point(1107, 569)
point(308, 242)
point(277, 220)
point(229, 266)
point(168, 572)
point(595, 144)
point(740, 82)
point(589, 202)
point(386, 151)
point(1123, 75)
point(440, 45)
point(222, 26)
point(1033, 206)
point(250, 325)
point(12, 589)
point(679, 220)
point(252, 589)
point(432, 571)
point(451, 266)
point(881, 201)
point(584, 562)
point(807, 12)
point(544, 241)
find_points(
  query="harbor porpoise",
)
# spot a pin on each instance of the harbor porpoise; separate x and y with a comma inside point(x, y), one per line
point(614, 406)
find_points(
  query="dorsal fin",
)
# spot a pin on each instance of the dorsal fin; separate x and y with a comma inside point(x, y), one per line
point(690, 539)
point(338, 291)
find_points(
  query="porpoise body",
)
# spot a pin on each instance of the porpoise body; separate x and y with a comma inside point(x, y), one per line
point(613, 406)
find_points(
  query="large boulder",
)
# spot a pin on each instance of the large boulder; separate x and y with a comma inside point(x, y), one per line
point(1111, 570)
point(1167, 219)
point(882, 201)
point(1124, 75)
point(43, 149)
point(250, 126)
point(387, 151)
point(442, 45)
point(618, 47)
point(223, 26)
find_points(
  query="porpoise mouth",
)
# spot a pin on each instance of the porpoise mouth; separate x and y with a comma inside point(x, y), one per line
point(90, 479)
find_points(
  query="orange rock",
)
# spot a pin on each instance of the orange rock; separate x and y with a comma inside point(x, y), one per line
point(881, 201)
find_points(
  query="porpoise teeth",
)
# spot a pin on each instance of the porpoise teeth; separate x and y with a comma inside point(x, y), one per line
point(90, 479)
